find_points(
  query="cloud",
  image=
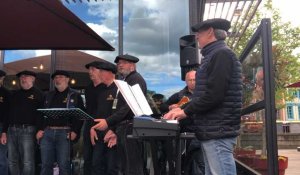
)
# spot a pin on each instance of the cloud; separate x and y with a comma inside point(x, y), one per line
point(151, 32)
point(42, 52)
point(150, 27)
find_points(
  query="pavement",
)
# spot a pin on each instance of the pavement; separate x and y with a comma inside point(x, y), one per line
point(293, 161)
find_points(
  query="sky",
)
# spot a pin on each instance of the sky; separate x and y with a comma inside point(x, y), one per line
point(289, 10)
point(147, 34)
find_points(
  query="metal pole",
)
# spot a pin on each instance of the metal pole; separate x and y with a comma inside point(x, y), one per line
point(2, 59)
point(270, 107)
point(120, 27)
point(196, 11)
point(52, 68)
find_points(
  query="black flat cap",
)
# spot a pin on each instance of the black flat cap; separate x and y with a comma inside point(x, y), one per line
point(158, 96)
point(108, 66)
point(2, 73)
point(26, 72)
point(95, 64)
point(216, 23)
point(60, 72)
point(127, 57)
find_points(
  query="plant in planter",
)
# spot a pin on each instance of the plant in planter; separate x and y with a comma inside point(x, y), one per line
point(260, 164)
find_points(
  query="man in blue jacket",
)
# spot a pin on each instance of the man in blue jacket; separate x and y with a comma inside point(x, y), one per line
point(217, 99)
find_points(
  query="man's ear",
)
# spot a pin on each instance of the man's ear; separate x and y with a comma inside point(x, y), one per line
point(211, 31)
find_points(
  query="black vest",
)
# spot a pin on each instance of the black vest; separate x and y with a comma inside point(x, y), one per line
point(224, 120)
point(72, 100)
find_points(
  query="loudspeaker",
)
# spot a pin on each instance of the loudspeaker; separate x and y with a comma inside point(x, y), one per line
point(189, 54)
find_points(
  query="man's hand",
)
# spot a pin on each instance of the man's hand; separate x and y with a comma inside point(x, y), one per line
point(175, 114)
point(101, 125)
point(93, 136)
point(39, 134)
point(73, 136)
point(3, 138)
point(173, 106)
point(110, 138)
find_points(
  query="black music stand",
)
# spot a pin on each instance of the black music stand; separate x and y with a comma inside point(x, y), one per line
point(55, 113)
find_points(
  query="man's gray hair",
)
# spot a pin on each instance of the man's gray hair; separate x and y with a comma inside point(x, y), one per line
point(220, 34)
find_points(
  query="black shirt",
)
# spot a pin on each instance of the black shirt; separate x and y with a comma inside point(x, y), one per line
point(91, 98)
point(23, 107)
point(4, 104)
point(175, 98)
point(106, 98)
point(64, 99)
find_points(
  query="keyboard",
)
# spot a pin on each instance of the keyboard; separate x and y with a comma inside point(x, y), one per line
point(146, 126)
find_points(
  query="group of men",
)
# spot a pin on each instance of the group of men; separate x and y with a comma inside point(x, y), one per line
point(212, 113)
point(22, 126)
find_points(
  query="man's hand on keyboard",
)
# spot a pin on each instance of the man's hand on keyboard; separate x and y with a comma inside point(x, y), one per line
point(175, 114)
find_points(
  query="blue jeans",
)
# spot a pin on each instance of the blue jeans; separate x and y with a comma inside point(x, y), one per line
point(218, 156)
point(55, 147)
point(3, 158)
point(21, 150)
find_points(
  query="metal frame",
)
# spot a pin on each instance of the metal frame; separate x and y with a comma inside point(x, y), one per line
point(270, 107)
point(264, 33)
point(239, 13)
point(2, 52)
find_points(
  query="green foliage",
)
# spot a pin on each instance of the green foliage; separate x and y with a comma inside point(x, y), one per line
point(285, 40)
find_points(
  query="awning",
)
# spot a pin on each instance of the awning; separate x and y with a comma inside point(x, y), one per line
point(45, 24)
point(294, 85)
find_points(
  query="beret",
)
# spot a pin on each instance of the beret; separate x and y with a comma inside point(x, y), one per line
point(108, 66)
point(60, 72)
point(157, 96)
point(26, 72)
point(216, 23)
point(126, 57)
point(2, 73)
point(95, 64)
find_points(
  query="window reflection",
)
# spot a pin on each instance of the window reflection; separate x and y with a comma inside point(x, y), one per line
point(253, 81)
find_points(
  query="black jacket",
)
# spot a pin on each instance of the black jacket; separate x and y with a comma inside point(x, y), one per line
point(216, 105)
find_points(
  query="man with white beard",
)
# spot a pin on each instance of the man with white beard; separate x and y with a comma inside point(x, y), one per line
point(56, 135)
point(20, 128)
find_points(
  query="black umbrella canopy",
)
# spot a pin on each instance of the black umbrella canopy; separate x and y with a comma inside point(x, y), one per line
point(45, 24)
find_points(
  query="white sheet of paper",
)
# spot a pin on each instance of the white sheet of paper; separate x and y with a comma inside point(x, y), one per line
point(135, 98)
point(141, 99)
point(129, 97)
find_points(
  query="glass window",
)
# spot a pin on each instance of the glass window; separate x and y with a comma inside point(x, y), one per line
point(290, 113)
point(151, 32)
point(298, 107)
point(253, 82)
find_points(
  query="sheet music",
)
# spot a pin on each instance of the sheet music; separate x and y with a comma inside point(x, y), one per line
point(129, 97)
point(134, 97)
point(141, 99)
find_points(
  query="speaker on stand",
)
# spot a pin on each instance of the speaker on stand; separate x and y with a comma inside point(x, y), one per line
point(189, 54)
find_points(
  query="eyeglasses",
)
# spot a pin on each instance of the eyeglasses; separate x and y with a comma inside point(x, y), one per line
point(190, 80)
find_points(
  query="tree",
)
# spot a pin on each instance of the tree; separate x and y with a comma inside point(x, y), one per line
point(285, 40)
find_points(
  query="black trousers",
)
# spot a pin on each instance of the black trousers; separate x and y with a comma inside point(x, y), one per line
point(99, 159)
point(130, 151)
